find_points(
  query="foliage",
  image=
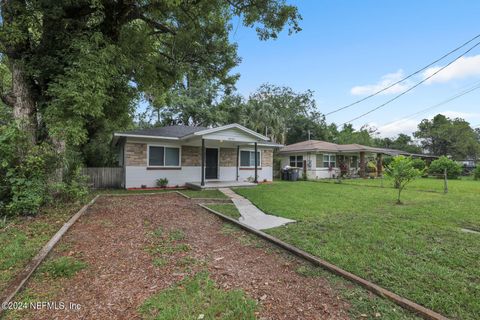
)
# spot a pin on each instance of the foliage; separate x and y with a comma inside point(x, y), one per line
point(402, 171)
point(419, 164)
point(63, 267)
point(401, 142)
point(84, 64)
point(476, 173)
point(439, 165)
point(448, 137)
point(162, 182)
point(198, 295)
point(372, 167)
point(349, 135)
point(28, 173)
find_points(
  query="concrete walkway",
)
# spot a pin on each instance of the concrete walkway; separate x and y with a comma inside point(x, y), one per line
point(251, 215)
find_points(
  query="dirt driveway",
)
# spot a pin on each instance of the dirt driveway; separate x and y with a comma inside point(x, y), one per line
point(115, 239)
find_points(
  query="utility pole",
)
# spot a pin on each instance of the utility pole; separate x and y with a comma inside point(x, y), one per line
point(308, 134)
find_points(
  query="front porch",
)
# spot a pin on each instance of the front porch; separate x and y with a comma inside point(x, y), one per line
point(197, 185)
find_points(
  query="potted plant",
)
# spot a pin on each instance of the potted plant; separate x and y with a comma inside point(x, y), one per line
point(372, 169)
point(162, 182)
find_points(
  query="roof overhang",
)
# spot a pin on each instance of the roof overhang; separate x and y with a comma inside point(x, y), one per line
point(199, 134)
point(226, 127)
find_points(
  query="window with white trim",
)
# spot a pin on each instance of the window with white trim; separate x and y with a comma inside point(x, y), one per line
point(247, 158)
point(329, 160)
point(296, 161)
point(163, 156)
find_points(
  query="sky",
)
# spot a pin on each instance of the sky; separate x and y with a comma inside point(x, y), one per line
point(349, 49)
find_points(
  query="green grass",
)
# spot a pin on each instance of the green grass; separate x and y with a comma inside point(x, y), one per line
point(22, 237)
point(416, 249)
point(456, 186)
point(196, 296)
point(363, 304)
point(210, 194)
point(227, 209)
point(62, 267)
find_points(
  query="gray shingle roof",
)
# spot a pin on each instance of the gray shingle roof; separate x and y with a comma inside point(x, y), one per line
point(168, 131)
point(323, 146)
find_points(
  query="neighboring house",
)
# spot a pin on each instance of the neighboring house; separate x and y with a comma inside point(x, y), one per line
point(320, 159)
point(469, 164)
point(175, 153)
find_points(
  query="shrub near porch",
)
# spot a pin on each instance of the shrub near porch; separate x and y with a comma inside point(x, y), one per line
point(416, 250)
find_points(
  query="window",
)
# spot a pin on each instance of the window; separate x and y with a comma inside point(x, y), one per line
point(163, 156)
point(329, 160)
point(354, 162)
point(247, 158)
point(296, 161)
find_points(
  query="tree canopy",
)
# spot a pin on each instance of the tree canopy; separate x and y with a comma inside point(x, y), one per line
point(448, 137)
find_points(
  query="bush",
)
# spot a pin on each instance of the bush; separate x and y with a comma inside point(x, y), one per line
point(402, 171)
point(28, 174)
point(162, 182)
point(419, 164)
point(476, 173)
point(438, 167)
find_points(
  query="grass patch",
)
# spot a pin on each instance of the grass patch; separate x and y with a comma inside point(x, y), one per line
point(227, 209)
point(210, 194)
point(198, 297)
point(23, 237)
point(415, 250)
point(62, 267)
point(176, 235)
point(159, 262)
point(363, 304)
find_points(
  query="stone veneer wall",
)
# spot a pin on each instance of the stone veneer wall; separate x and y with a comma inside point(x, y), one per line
point(191, 156)
point(228, 157)
point(136, 154)
point(267, 158)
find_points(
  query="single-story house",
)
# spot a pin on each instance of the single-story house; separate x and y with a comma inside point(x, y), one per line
point(194, 156)
point(321, 159)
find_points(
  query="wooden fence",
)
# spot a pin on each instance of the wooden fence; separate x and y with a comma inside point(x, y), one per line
point(102, 178)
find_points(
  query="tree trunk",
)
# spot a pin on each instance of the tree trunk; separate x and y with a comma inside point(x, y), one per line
point(24, 110)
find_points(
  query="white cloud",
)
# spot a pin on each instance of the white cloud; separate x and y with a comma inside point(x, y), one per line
point(385, 81)
point(462, 68)
point(469, 116)
point(408, 126)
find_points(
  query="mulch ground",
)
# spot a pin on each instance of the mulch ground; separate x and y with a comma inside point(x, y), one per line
point(112, 238)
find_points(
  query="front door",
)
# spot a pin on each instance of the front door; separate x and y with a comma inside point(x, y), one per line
point(211, 163)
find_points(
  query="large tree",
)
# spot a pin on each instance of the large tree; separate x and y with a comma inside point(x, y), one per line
point(448, 137)
point(402, 142)
point(78, 66)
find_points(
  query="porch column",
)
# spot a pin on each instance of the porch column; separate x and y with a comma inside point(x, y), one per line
point(256, 164)
point(202, 183)
point(379, 165)
point(238, 160)
point(362, 164)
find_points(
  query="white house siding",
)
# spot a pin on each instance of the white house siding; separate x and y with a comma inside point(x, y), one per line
point(137, 172)
point(137, 176)
point(313, 172)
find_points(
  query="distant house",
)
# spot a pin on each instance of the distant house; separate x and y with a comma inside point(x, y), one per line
point(321, 159)
point(194, 156)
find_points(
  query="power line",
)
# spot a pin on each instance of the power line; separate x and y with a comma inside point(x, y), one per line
point(400, 81)
point(476, 86)
point(413, 87)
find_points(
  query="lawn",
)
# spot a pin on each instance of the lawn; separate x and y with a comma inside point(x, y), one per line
point(23, 237)
point(416, 250)
point(461, 185)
